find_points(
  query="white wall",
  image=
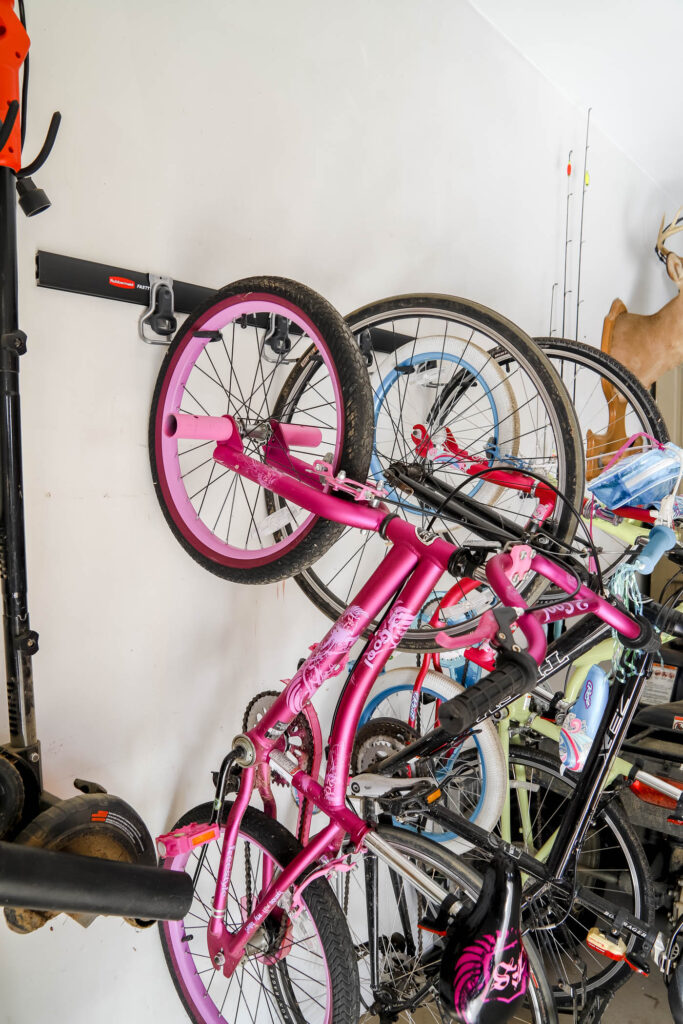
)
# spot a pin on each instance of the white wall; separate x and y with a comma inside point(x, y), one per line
point(365, 148)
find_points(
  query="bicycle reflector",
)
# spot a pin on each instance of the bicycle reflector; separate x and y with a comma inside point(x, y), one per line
point(484, 969)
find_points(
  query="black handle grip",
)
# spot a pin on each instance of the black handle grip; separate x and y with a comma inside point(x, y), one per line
point(68, 882)
point(514, 675)
point(668, 620)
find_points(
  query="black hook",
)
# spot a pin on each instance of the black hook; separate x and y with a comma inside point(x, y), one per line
point(8, 123)
point(46, 149)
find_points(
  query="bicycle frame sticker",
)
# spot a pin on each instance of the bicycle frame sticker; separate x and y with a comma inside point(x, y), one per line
point(398, 620)
point(320, 665)
point(477, 972)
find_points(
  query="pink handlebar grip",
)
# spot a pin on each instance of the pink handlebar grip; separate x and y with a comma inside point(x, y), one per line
point(199, 428)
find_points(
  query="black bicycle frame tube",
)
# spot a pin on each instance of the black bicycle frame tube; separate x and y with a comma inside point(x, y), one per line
point(621, 707)
point(20, 643)
point(572, 644)
point(529, 865)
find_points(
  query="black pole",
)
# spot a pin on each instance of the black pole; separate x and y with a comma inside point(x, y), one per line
point(68, 883)
point(20, 642)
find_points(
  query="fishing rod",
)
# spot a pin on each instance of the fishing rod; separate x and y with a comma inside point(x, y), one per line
point(567, 241)
point(586, 182)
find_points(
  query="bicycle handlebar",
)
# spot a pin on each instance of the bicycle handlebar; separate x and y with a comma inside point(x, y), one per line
point(514, 675)
point(668, 620)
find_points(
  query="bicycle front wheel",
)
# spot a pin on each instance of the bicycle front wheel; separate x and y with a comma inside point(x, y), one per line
point(406, 957)
point(295, 969)
point(231, 357)
point(457, 389)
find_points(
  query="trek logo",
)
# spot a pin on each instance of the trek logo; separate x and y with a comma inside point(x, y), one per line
point(121, 282)
point(613, 727)
point(553, 663)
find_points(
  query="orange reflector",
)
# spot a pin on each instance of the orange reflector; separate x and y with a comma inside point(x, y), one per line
point(433, 796)
point(203, 837)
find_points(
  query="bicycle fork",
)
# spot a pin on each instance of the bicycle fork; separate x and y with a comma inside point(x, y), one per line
point(226, 948)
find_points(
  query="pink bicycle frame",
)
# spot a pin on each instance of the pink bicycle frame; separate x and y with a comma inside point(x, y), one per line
point(401, 585)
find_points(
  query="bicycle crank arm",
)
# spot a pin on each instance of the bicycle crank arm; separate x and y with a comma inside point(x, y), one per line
point(371, 786)
point(527, 864)
point(617, 917)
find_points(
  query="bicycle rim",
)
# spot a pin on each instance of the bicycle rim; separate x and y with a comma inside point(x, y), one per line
point(231, 358)
point(612, 864)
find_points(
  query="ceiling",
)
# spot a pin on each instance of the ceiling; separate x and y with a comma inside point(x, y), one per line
point(612, 56)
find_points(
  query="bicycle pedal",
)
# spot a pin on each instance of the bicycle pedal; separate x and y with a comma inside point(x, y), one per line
point(614, 949)
point(183, 840)
point(437, 923)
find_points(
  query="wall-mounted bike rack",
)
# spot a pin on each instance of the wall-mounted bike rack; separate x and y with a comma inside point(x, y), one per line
point(162, 296)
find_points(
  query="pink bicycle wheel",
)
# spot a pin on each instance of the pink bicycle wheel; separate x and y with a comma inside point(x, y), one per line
point(232, 357)
point(303, 969)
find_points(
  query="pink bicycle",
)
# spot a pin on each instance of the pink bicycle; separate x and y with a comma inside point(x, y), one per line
point(266, 938)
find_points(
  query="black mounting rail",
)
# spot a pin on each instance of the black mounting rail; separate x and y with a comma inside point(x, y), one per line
point(162, 296)
point(68, 274)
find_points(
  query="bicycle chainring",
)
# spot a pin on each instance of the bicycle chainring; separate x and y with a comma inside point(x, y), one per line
point(378, 739)
point(297, 739)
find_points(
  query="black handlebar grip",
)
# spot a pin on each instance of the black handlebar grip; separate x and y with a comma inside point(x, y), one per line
point(668, 620)
point(513, 676)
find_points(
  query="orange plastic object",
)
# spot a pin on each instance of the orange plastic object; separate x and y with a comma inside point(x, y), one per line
point(14, 44)
point(653, 796)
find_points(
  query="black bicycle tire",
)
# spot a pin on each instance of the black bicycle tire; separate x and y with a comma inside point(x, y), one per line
point(615, 813)
point(11, 796)
point(636, 392)
point(358, 423)
point(319, 898)
point(320, 595)
point(470, 880)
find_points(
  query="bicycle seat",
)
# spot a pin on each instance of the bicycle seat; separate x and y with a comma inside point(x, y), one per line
point(661, 716)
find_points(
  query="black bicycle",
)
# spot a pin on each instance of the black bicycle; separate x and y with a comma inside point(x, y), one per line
point(573, 863)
